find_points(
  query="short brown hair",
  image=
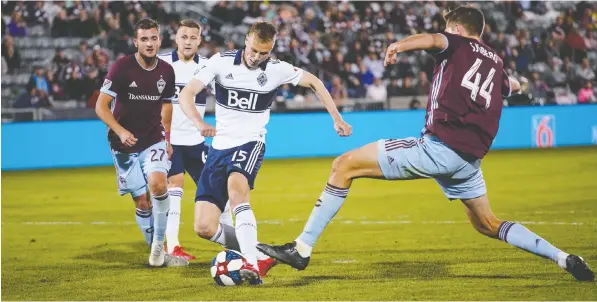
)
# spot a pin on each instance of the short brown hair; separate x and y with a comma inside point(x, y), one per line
point(190, 23)
point(264, 31)
point(469, 16)
point(146, 24)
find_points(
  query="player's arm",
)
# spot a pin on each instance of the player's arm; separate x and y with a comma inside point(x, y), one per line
point(514, 85)
point(167, 119)
point(415, 42)
point(310, 81)
point(102, 109)
point(510, 85)
point(187, 104)
point(186, 98)
point(167, 123)
point(170, 94)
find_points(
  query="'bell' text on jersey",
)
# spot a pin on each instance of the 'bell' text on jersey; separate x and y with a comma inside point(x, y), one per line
point(183, 132)
point(243, 95)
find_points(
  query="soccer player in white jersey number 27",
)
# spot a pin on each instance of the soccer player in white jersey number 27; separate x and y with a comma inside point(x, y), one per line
point(188, 144)
point(246, 82)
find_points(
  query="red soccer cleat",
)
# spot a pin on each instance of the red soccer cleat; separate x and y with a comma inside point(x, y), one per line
point(249, 273)
point(178, 252)
point(266, 265)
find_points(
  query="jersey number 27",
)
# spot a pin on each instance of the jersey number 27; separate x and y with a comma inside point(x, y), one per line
point(485, 90)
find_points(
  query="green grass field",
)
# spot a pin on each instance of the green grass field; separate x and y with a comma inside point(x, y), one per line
point(67, 235)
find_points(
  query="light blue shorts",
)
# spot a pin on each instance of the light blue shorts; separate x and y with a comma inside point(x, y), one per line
point(429, 157)
point(132, 168)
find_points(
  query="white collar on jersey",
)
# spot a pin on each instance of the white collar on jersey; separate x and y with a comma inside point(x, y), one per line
point(176, 58)
point(238, 59)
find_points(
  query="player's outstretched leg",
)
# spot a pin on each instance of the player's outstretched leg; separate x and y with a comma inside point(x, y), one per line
point(362, 162)
point(175, 185)
point(144, 216)
point(484, 221)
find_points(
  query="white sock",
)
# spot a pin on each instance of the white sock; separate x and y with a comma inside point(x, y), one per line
point(303, 249)
point(226, 217)
point(173, 218)
point(562, 259)
point(246, 232)
point(161, 204)
point(226, 237)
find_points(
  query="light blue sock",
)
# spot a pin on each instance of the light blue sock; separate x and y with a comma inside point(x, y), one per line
point(161, 206)
point(326, 207)
point(144, 220)
point(520, 237)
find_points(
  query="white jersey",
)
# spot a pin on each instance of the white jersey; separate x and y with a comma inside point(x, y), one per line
point(244, 96)
point(183, 131)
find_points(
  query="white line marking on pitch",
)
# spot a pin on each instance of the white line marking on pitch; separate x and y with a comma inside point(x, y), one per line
point(279, 222)
point(343, 261)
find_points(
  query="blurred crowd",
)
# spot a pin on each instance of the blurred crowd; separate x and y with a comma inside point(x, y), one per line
point(550, 47)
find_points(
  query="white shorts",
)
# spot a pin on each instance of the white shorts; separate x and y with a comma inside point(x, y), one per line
point(132, 168)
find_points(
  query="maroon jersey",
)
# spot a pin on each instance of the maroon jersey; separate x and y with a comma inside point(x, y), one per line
point(466, 96)
point(138, 96)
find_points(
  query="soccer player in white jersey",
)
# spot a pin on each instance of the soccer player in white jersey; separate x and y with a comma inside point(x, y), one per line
point(188, 144)
point(246, 82)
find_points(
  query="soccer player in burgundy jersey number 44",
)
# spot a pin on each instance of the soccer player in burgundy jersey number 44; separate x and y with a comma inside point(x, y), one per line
point(463, 113)
point(134, 98)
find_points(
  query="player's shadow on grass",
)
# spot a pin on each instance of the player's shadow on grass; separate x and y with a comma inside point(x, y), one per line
point(411, 270)
point(306, 280)
point(195, 268)
point(132, 255)
point(439, 270)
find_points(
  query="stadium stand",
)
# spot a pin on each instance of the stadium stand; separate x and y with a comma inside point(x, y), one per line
point(56, 54)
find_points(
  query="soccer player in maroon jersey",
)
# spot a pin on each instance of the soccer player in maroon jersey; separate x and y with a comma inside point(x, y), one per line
point(463, 113)
point(135, 104)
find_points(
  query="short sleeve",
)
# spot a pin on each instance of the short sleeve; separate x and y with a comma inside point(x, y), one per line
point(170, 90)
point(208, 72)
point(506, 85)
point(289, 74)
point(453, 42)
point(113, 80)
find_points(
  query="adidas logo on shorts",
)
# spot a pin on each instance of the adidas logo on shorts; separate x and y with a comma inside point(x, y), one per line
point(229, 77)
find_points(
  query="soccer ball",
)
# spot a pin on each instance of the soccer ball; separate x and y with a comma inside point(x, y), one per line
point(225, 268)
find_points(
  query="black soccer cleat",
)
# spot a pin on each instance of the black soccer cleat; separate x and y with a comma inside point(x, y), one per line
point(576, 266)
point(286, 254)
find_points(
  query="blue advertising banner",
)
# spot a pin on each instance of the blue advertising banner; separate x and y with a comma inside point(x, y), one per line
point(63, 144)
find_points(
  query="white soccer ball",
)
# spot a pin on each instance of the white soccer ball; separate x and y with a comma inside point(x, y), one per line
point(225, 268)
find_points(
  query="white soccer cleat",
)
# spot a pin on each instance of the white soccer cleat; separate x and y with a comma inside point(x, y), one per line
point(158, 253)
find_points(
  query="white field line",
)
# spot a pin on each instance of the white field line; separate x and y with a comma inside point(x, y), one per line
point(294, 220)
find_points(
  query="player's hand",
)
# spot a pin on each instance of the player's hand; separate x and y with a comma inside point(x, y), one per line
point(127, 138)
point(206, 129)
point(342, 127)
point(169, 150)
point(391, 57)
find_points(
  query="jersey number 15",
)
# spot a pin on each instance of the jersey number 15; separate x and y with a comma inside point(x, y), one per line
point(485, 90)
